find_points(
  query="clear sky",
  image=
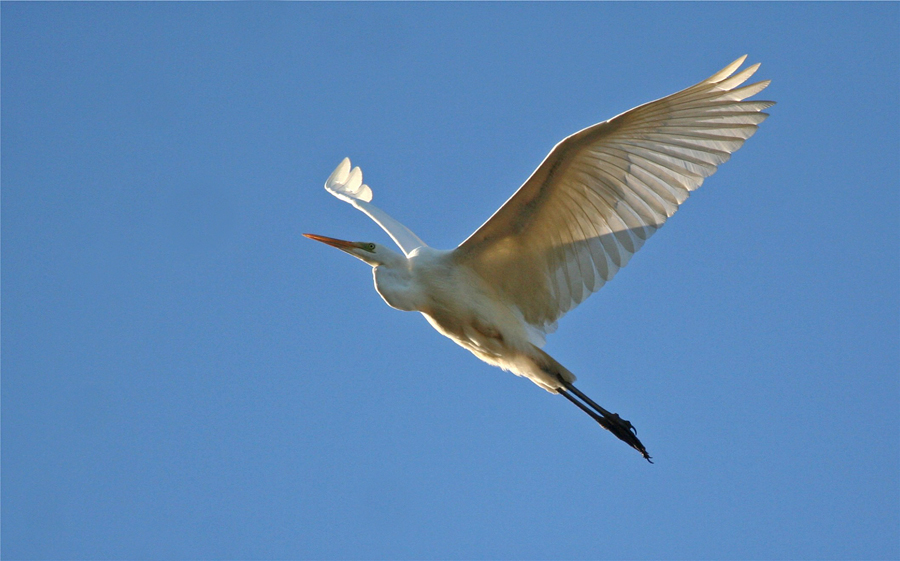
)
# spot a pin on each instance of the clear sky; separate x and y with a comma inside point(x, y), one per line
point(185, 376)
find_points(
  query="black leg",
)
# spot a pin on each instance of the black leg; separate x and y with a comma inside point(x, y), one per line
point(623, 429)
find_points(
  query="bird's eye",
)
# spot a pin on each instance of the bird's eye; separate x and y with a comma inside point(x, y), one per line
point(370, 247)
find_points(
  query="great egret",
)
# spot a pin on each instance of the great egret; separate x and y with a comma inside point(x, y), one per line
point(589, 206)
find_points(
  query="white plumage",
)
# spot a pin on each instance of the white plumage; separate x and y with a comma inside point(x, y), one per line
point(590, 205)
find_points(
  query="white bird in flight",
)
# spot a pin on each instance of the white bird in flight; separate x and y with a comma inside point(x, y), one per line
point(589, 206)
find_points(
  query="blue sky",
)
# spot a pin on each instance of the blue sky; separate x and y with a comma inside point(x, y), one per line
point(185, 376)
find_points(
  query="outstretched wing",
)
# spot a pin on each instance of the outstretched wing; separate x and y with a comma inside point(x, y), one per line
point(346, 184)
point(603, 191)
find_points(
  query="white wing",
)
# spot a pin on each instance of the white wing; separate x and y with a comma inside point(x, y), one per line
point(603, 191)
point(346, 184)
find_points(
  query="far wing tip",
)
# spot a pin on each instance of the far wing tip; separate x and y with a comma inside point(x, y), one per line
point(345, 183)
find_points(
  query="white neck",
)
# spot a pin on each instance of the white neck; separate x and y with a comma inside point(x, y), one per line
point(396, 287)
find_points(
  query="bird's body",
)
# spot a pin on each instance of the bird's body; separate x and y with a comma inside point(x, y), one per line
point(576, 221)
point(465, 308)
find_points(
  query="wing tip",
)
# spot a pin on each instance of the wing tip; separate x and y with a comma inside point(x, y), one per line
point(345, 183)
point(727, 71)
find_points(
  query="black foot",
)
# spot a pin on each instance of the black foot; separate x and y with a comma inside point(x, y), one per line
point(623, 429)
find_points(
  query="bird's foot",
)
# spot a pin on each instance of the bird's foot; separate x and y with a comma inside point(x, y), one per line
point(623, 429)
point(625, 432)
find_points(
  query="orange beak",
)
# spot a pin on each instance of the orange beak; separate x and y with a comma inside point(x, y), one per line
point(340, 244)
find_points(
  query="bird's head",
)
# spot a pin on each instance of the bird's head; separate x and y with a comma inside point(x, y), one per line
point(372, 253)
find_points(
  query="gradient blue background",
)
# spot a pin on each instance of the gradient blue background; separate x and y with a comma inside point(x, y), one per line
point(185, 376)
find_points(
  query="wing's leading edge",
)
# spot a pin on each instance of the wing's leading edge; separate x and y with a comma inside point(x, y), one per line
point(604, 190)
point(346, 184)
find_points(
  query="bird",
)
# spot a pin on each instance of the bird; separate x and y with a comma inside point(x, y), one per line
point(579, 217)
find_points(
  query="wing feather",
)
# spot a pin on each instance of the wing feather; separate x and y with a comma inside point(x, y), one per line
point(347, 185)
point(603, 191)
